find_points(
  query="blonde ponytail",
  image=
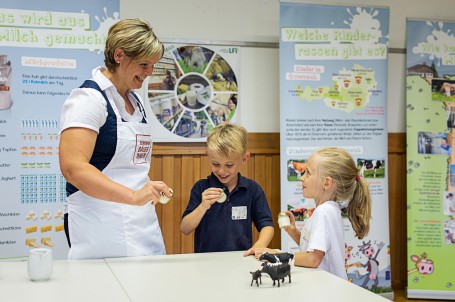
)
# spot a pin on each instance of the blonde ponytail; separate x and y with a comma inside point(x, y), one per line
point(359, 209)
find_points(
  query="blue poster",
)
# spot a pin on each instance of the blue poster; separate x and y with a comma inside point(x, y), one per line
point(333, 92)
point(47, 48)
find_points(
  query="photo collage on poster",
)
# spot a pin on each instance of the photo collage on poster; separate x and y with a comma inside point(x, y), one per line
point(192, 89)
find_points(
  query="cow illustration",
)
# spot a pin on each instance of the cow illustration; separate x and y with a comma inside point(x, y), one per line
point(372, 265)
point(423, 265)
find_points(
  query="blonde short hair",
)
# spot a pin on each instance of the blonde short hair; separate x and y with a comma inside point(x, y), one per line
point(227, 139)
point(135, 37)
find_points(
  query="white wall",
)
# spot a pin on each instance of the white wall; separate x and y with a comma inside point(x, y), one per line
point(258, 21)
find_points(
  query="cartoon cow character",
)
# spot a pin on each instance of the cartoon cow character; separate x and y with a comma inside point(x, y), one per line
point(372, 265)
point(423, 265)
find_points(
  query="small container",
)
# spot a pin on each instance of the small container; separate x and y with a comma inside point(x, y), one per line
point(191, 97)
point(283, 220)
point(222, 197)
point(164, 199)
point(40, 264)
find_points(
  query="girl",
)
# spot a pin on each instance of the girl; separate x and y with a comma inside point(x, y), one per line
point(330, 178)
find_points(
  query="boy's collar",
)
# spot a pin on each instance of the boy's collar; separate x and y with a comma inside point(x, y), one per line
point(216, 183)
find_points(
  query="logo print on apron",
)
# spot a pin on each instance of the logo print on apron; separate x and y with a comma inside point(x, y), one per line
point(142, 149)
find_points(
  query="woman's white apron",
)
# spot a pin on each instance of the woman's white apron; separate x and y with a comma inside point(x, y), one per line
point(103, 229)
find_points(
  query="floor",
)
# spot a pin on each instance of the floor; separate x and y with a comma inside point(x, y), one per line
point(400, 296)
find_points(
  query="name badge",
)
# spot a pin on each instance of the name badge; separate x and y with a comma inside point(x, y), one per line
point(239, 213)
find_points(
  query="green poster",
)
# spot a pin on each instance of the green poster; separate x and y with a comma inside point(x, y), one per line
point(430, 96)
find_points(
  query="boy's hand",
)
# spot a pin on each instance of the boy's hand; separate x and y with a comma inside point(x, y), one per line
point(210, 196)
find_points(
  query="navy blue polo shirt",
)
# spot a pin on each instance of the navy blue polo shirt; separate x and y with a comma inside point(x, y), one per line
point(218, 230)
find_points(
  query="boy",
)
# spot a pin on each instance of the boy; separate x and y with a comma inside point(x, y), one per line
point(226, 225)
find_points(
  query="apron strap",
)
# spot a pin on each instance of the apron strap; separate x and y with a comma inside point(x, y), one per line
point(106, 141)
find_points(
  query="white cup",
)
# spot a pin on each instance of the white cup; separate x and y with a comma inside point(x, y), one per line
point(283, 220)
point(191, 97)
point(40, 264)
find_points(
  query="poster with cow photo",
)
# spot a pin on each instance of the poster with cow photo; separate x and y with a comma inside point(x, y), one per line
point(333, 93)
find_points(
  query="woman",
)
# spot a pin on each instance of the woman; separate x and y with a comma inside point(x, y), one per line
point(105, 152)
point(232, 105)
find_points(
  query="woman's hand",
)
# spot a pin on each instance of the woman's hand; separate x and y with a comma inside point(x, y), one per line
point(210, 196)
point(151, 191)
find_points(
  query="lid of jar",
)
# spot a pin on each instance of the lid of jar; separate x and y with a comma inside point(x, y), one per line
point(222, 197)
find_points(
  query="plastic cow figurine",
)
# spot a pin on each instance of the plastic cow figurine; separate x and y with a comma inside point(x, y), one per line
point(277, 271)
point(277, 258)
point(255, 276)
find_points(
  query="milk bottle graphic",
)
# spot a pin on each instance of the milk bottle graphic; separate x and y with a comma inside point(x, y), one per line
point(5, 82)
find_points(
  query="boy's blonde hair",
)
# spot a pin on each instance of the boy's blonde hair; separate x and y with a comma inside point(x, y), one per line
point(135, 37)
point(227, 139)
point(338, 164)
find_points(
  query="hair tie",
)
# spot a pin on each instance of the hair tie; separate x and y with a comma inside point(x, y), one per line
point(358, 178)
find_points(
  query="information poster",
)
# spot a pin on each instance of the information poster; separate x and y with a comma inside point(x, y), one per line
point(192, 89)
point(430, 118)
point(47, 48)
point(333, 92)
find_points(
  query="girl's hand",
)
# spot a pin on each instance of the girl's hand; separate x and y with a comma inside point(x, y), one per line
point(292, 220)
point(210, 196)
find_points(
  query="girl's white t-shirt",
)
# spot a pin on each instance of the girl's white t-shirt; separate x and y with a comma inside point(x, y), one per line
point(324, 231)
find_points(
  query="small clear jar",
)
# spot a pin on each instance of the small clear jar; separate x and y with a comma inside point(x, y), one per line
point(283, 220)
point(164, 199)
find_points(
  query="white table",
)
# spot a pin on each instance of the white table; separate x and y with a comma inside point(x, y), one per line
point(218, 277)
point(214, 277)
point(78, 281)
